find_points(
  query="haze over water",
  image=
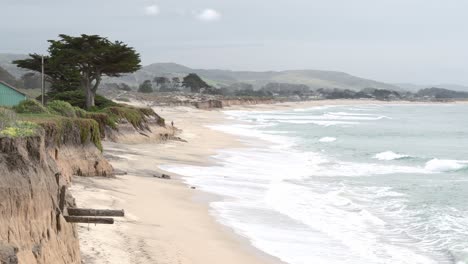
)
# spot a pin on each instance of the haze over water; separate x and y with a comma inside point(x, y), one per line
point(346, 184)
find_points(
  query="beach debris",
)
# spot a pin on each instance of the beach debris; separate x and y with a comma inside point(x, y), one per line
point(62, 199)
point(95, 212)
point(193, 187)
point(85, 215)
point(119, 172)
point(179, 139)
point(143, 134)
point(89, 220)
point(162, 176)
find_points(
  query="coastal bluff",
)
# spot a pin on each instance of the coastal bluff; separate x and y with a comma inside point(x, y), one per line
point(32, 230)
point(32, 171)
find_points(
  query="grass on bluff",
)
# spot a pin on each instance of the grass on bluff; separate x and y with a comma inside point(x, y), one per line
point(59, 122)
point(20, 129)
point(62, 108)
point(64, 120)
point(66, 129)
point(30, 106)
point(108, 113)
point(10, 126)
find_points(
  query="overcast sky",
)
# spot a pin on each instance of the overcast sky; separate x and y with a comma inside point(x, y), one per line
point(418, 41)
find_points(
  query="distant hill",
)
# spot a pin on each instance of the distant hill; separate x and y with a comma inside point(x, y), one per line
point(313, 78)
point(5, 76)
point(416, 87)
point(441, 93)
point(6, 63)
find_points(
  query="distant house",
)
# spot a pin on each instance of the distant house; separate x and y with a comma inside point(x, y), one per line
point(9, 95)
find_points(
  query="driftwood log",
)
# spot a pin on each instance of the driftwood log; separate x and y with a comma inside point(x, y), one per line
point(63, 191)
point(162, 176)
point(95, 212)
point(89, 220)
point(83, 215)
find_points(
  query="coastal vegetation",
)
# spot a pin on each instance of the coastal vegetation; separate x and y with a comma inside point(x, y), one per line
point(30, 106)
point(62, 122)
point(145, 87)
point(81, 62)
point(10, 126)
point(194, 83)
point(78, 98)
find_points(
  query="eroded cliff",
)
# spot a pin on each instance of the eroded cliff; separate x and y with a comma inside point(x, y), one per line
point(32, 171)
point(32, 230)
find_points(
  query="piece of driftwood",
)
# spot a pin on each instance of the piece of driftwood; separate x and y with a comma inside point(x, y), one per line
point(119, 172)
point(89, 220)
point(63, 191)
point(94, 212)
point(163, 176)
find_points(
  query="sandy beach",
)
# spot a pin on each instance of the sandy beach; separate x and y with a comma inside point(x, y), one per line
point(166, 220)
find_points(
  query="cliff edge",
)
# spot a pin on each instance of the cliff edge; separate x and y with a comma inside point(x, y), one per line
point(32, 229)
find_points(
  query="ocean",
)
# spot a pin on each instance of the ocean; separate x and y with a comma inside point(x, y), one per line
point(345, 184)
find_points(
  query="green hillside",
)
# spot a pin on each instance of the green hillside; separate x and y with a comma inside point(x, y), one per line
point(5, 63)
point(313, 78)
point(5, 76)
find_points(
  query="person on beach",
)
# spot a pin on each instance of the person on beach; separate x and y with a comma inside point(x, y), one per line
point(172, 123)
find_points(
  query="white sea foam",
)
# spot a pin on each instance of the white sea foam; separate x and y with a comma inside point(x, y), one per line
point(390, 155)
point(460, 257)
point(313, 108)
point(327, 139)
point(259, 185)
point(250, 131)
point(354, 169)
point(312, 207)
point(350, 114)
point(320, 123)
point(438, 165)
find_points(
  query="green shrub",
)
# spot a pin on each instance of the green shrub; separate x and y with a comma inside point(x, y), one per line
point(30, 106)
point(103, 120)
point(62, 130)
point(61, 108)
point(78, 98)
point(146, 87)
point(20, 129)
point(79, 112)
point(7, 117)
point(90, 132)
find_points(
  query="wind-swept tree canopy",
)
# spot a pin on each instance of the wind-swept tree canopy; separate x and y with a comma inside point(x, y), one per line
point(146, 87)
point(195, 83)
point(61, 77)
point(88, 57)
point(31, 80)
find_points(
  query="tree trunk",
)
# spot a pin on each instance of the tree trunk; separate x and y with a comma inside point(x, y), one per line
point(89, 98)
point(90, 91)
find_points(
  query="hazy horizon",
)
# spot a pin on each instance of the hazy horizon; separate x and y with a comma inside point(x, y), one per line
point(389, 41)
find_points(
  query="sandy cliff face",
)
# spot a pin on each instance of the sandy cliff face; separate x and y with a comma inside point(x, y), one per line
point(82, 160)
point(74, 153)
point(32, 171)
point(31, 228)
point(153, 130)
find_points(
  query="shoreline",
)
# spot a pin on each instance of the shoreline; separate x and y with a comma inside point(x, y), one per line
point(187, 232)
point(176, 197)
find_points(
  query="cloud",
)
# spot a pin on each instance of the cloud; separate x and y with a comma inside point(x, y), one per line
point(208, 15)
point(152, 10)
